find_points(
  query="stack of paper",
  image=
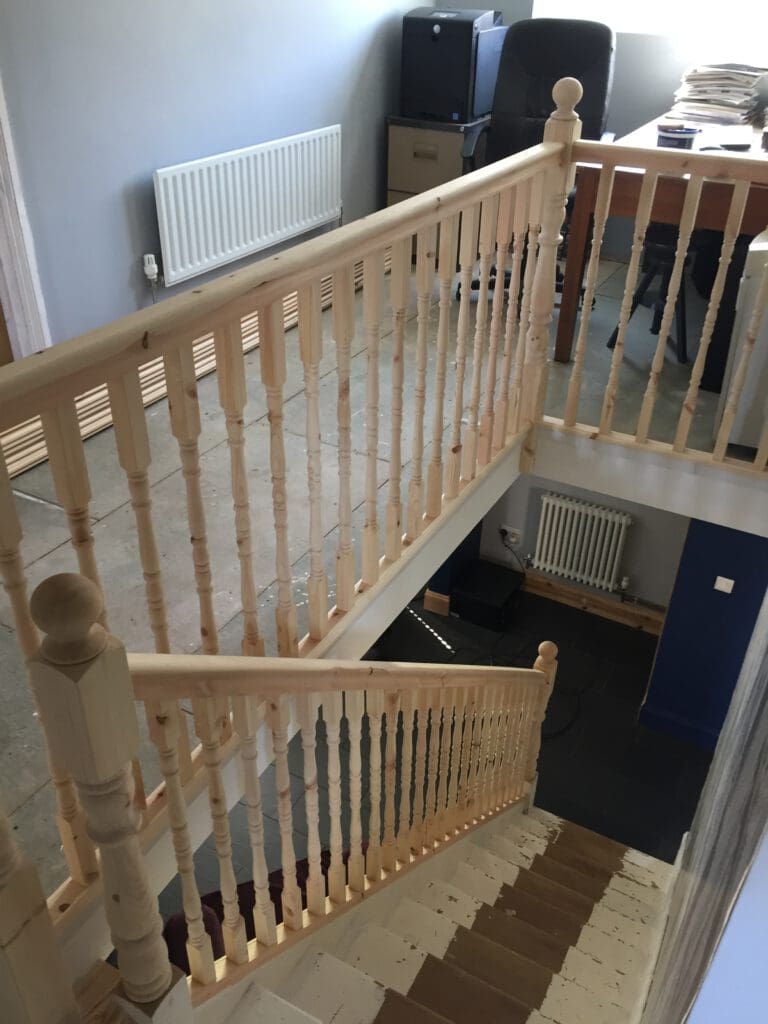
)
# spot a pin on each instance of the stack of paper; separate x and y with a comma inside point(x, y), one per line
point(726, 93)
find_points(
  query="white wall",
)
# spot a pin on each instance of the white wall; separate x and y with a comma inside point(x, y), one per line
point(654, 541)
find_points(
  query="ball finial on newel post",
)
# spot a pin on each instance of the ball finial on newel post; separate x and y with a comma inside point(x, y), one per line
point(66, 608)
point(566, 93)
point(546, 662)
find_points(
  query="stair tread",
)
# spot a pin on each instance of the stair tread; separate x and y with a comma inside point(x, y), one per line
point(260, 1004)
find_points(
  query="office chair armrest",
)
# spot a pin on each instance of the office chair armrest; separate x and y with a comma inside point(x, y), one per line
point(608, 137)
point(471, 139)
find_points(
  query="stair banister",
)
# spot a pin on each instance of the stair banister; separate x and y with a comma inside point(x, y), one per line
point(545, 662)
point(83, 687)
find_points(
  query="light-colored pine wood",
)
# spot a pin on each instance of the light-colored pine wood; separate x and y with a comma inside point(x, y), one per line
point(354, 706)
point(730, 234)
point(515, 419)
point(36, 988)
point(230, 377)
point(278, 717)
point(761, 456)
point(400, 289)
point(504, 227)
point(642, 218)
point(440, 604)
point(373, 275)
point(388, 848)
point(649, 620)
point(511, 324)
point(184, 412)
point(426, 242)
point(546, 662)
point(306, 710)
point(501, 766)
point(742, 368)
point(164, 731)
point(716, 166)
point(246, 718)
point(211, 724)
point(467, 756)
point(333, 709)
point(374, 700)
point(449, 240)
point(433, 767)
point(479, 735)
point(343, 333)
point(407, 703)
point(494, 755)
point(83, 689)
point(470, 217)
point(459, 704)
point(419, 773)
point(311, 350)
point(439, 828)
point(272, 360)
point(488, 220)
point(676, 281)
point(602, 205)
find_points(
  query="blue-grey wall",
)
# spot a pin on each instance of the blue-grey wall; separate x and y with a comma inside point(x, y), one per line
point(101, 94)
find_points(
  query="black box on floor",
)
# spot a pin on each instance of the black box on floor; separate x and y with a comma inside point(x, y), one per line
point(486, 594)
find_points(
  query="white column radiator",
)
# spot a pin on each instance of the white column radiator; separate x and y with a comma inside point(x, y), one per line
point(224, 207)
point(580, 541)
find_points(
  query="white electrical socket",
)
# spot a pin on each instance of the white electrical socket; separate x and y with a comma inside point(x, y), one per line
point(510, 534)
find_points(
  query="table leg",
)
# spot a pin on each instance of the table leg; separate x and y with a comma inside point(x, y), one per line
point(578, 244)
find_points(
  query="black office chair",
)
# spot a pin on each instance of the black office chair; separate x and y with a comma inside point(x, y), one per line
point(536, 54)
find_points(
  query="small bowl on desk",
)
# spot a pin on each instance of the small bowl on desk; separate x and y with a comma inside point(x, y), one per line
point(676, 136)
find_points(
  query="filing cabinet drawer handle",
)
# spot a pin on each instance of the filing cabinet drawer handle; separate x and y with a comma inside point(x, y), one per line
point(424, 151)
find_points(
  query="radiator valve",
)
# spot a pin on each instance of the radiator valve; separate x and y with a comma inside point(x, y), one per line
point(151, 271)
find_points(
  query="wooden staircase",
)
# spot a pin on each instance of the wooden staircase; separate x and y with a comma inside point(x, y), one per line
point(539, 920)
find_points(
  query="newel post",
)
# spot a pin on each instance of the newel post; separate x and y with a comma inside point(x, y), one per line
point(83, 687)
point(546, 662)
point(563, 126)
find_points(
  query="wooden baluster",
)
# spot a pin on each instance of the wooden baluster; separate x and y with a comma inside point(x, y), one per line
point(406, 780)
point(344, 332)
point(354, 707)
point(503, 240)
point(211, 724)
point(433, 767)
point(467, 254)
point(311, 349)
point(485, 751)
point(493, 752)
point(373, 272)
point(459, 705)
point(642, 218)
point(306, 707)
point(449, 238)
point(84, 692)
point(278, 716)
point(513, 739)
point(516, 422)
point(400, 289)
point(730, 234)
point(546, 662)
point(132, 441)
point(185, 426)
point(417, 823)
point(602, 206)
point(488, 219)
point(78, 849)
point(467, 760)
point(230, 377)
point(28, 945)
point(502, 781)
point(164, 731)
point(564, 127)
point(511, 324)
point(742, 367)
point(375, 709)
point(687, 220)
point(479, 735)
point(333, 709)
point(246, 718)
point(425, 279)
point(528, 698)
point(761, 458)
point(272, 361)
point(388, 848)
point(439, 828)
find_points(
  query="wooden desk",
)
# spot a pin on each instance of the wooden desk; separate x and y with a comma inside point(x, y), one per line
point(667, 207)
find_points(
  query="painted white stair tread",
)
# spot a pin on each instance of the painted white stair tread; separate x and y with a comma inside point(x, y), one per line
point(388, 958)
point(259, 1004)
point(486, 860)
point(334, 992)
point(431, 931)
point(447, 899)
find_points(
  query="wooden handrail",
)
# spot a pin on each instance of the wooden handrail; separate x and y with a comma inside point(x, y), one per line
point(31, 385)
point(163, 677)
point(713, 166)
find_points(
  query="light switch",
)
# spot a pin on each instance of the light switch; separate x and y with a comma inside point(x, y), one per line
point(723, 584)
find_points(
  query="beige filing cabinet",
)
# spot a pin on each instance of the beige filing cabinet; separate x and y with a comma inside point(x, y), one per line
point(423, 154)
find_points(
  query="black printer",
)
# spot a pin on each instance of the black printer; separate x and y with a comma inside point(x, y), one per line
point(450, 62)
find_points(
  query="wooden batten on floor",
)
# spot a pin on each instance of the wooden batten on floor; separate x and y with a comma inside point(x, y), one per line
point(440, 604)
point(649, 620)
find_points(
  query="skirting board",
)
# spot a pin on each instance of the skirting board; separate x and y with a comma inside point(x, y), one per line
point(647, 619)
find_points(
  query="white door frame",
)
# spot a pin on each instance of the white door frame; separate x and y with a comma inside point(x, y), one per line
point(21, 295)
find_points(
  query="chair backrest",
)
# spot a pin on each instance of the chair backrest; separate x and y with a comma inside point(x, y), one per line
point(535, 55)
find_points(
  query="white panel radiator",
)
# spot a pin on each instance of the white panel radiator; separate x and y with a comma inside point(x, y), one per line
point(580, 541)
point(224, 207)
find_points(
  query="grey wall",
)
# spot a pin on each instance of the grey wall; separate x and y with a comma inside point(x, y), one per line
point(102, 94)
point(654, 541)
